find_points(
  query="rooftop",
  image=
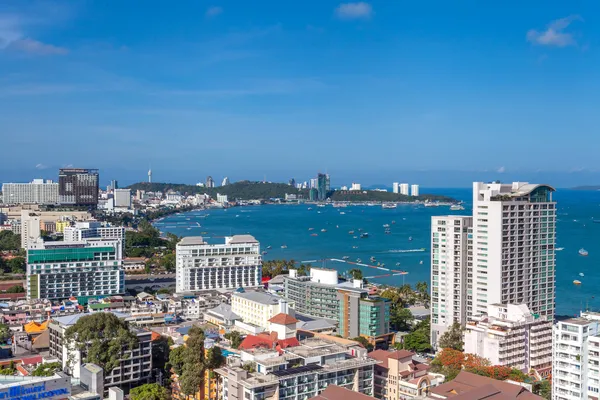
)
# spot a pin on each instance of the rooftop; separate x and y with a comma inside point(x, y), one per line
point(259, 297)
point(333, 392)
point(577, 321)
point(384, 356)
point(235, 239)
point(468, 386)
point(191, 241)
point(283, 319)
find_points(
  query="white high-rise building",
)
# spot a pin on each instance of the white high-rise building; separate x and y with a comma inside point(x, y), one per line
point(313, 183)
point(414, 190)
point(396, 187)
point(30, 227)
point(513, 254)
point(38, 191)
point(81, 231)
point(451, 255)
point(404, 189)
point(122, 197)
point(576, 358)
point(356, 186)
point(225, 181)
point(234, 264)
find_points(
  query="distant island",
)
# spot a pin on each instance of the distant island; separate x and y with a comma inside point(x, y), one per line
point(247, 190)
point(587, 187)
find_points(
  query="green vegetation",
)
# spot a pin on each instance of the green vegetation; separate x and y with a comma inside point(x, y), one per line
point(364, 342)
point(5, 333)
point(47, 369)
point(543, 388)
point(250, 367)
point(453, 338)
point(161, 349)
point(235, 339)
point(377, 196)
point(418, 339)
point(190, 363)
point(401, 319)
point(242, 190)
point(10, 370)
point(16, 289)
point(15, 265)
point(272, 268)
point(404, 296)
point(356, 273)
point(149, 391)
point(9, 241)
point(101, 338)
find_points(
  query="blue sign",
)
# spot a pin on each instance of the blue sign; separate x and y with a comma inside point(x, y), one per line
point(36, 392)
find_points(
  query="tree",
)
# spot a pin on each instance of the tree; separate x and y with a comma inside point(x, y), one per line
point(176, 359)
point(5, 333)
point(47, 369)
point(192, 375)
point(453, 337)
point(16, 289)
point(417, 341)
point(168, 262)
point(235, 339)
point(401, 319)
point(356, 273)
point(364, 342)
point(160, 352)
point(102, 338)
point(214, 358)
point(543, 388)
point(149, 391)
point(16, 265)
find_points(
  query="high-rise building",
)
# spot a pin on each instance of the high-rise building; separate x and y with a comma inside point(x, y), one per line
point(39, 191)
point(313, 194)
point(576, 358)
point(356, 186)
point(396, 187)
point(451, 255)
point(80, 231)
point(122, 197)
point(30, 227)
point(414, 190)
point(59, 270)
point(210, 182)
point(78, 186)
point(292, 182)
point(225, 181)
point(202, 266)
point(150, 175)
point(404, 189)
point(322, 186)
point(313, 183)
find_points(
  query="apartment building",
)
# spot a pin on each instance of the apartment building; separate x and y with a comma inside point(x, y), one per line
point(257, 308)
point(510, 335)
point(576, 358)
point(83, 230)
point(59, 270)
point(300, 372)
point(38, 191)
point(451, 272)
point(399, 376)
point(136, 365)
point(202, 266)
point(78, 186)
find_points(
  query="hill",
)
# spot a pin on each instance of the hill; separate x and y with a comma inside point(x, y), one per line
point(377, 196)
point(587, 187)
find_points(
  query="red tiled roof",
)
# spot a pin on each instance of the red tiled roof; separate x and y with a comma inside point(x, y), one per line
point(469, 386)
point(155, 336)
point(384, 356)
point(333, 392)
point(32, 360)
point(283, 319)
point(268, 341)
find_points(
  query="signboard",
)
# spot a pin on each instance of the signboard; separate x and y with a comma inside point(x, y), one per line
point(53, 388)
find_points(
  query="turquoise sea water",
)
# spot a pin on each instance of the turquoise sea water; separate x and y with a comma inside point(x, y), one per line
point(277, 225)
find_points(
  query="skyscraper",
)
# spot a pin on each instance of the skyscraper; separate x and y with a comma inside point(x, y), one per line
point(322, 186)
point(210, 182)
point(396, 187)
point(225, 181)
point(404, 189)
point(78, 186)
point(451, 254)
point(414, 190)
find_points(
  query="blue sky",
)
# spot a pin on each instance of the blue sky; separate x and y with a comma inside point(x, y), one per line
point(431, 91)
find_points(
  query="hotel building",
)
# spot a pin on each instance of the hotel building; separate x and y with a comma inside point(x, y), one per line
point(39, 191)
point(202, 266)
point(78, 186)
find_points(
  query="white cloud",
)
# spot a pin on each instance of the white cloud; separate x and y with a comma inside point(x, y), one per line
point(360, 10)
point(501, 170)
point(214, 11)
point(41, 166)
point(555, 34)
point(13, 38)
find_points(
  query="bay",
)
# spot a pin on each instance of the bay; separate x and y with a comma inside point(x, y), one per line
point(288, 225)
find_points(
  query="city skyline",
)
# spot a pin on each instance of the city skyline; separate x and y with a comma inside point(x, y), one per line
point(368, 81)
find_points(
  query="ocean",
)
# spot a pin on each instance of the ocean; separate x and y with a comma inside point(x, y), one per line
point(288, 225)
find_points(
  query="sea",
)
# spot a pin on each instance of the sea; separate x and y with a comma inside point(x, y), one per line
point(321, 236)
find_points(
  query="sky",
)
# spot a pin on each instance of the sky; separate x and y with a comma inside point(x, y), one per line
point(433, 92)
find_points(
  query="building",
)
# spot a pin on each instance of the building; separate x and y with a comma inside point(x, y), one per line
point(257, 308)
point(313, 183)
point(82, 230)
point(451, 255)
point(30, 228)
point(404, 189)
point(514, 235)
point(78, 186)
point(400, 376)
point(510, 335)
point(300, 372)
point(234, 264)
point(122, 198)
point(39, 191)
point(221, 316)
point(395, 187)
point(414, 190)
point(150, 175)
point(55, 387)
point(210, 182)
point(225, 181)
point(136, 365)
point(355, 186)
point(334, 392)
point(221, 198)
point(357, 313)
point(323, 186)
point(313, 194)
point(576, 358)
point(469, 386)
point(59, 270)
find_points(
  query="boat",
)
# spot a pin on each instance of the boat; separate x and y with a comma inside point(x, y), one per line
point(314, 234)
point(583, 252)
point(388, 232)
point(342, 213)
point(337, 226)
point(364, 235)
point(409, 238)
point(354, 237)
point(393, 222)
point(372, 259)
point(596, 221)
point(345, 258)
point(559, 248)
point(397, 264)
point(581, 274)
point(320, 205)
point(264, 252)
point(310, 229)
point(309, 208)
point(576, 282)
point(268, 247)
point(351, 232)
point(456, 207)
point(284, 247)
point(388, 206)
point(421, 262)
point(355, 247)
point(386, 225)
point(323, 230)
point(358, 260)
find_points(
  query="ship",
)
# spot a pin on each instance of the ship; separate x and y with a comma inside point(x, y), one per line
point(268, 247)
point(576, 282)
point(364, 235)
point(323, 230)
point(388, 205)
point(386, 225)
point(583, 252)
point(456, 207)
point(351, 232)
point(284, 247)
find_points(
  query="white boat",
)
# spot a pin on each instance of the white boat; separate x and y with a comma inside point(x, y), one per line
point(358, 260)
point(351, 232)
point(372, 259)
point(309, 208)
point(456, 207)
point(284, 247)
point(576, 282)
point(581, 274)
point(342, 213)
point(323, 230)
point(320, 205)
point(397, 264)
point(559, 248)
point(409, 238)
point(388, 205)
point(583, 252)
point(386, 225)
point(421, 262)
point(345, 258)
